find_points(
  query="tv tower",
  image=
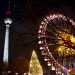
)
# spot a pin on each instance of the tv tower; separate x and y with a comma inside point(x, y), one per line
point(8, 22)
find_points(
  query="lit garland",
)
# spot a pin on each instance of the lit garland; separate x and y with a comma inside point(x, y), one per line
point(35, 67)
point(43, 44)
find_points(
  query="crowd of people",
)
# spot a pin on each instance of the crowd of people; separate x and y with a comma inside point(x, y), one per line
point(71, 68)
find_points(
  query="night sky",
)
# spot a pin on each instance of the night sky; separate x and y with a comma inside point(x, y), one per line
point(27, 15)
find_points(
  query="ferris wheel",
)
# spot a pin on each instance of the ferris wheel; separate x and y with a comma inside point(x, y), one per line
point(57, 39)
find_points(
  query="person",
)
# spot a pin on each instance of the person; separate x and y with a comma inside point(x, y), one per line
point(72, 72)
point(74, 63)
point(67, 67)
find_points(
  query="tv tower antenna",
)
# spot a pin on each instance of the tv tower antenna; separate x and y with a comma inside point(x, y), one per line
point(8, 13)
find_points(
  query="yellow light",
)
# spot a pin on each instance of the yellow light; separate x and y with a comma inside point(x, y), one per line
point(60, 48)
point(72, 39)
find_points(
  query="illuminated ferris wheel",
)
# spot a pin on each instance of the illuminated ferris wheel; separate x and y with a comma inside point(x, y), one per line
point(57, 38)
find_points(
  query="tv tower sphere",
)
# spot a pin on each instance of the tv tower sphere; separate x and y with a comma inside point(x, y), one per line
point(7, 21)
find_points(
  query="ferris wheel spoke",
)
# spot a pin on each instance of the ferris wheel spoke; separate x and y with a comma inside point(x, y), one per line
point(51, 37)
point(60, 30)
point(59, 35)
point(56, 44)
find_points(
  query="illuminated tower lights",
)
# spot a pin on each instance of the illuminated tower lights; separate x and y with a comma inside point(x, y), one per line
point(7, 22)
